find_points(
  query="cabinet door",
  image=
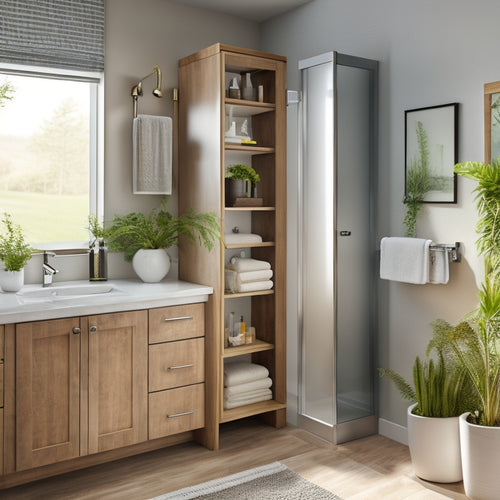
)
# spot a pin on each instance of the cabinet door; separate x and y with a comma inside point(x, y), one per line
point(118, 391)
point(47, 392)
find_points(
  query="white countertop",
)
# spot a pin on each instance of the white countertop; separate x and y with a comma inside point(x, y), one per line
point(126, 295)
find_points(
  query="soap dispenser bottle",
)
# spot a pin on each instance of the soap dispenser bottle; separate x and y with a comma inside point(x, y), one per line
point(98, 261)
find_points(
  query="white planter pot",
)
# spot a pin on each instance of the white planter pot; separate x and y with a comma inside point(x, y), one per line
point(480, 458)
point(11, 281)
point(435, 447)
point(151, 265)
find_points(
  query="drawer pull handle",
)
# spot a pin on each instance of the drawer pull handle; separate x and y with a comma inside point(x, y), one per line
point(179, 318)
point(180, 414)
point(180, 366)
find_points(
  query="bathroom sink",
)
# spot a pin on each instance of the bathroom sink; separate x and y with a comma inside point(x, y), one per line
point(55, 291)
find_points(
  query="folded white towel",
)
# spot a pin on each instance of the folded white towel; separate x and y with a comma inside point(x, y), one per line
point(242, 372)
point(249, 395)
point(228, 405)
point(241, 238)
point(250, 276)
point(152, 154)
point(254, 286)
point(248, 282)
point(439, 269)
point(405, 259)
point(242, 265)
point(256, 385)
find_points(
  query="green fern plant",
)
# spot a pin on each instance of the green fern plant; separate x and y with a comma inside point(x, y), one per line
point(418, 182)
point(159, 229)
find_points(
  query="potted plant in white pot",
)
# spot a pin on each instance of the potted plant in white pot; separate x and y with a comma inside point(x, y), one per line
point(441, 394)
point(14, 254)
point(145, 238)
point(475, 344)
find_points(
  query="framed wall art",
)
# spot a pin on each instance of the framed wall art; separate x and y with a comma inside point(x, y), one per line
point(431, 152)
point(491, 121)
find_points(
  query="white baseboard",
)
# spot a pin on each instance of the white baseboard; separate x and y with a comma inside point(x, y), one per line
point(393, 431)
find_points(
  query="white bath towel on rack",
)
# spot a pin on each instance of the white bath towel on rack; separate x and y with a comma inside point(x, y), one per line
point(152, 154)
point(405, 259)
point(439, 266)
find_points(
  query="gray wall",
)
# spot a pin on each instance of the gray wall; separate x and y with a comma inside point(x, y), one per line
point(430, 53)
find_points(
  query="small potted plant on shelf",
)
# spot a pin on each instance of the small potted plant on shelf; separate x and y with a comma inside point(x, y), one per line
point(441, 393)
point(145, 238)
point(241, 186)
point(14, 253)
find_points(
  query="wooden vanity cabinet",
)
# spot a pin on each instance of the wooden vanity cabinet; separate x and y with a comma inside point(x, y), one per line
point(121, 383)
point(81, 386)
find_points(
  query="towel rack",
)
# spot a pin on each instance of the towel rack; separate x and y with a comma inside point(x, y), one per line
point(453, 250)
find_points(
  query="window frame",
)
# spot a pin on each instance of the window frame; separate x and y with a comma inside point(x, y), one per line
point(96, 139)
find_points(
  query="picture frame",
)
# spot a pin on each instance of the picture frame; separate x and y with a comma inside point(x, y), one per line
point(431, 150)
point(491, 121)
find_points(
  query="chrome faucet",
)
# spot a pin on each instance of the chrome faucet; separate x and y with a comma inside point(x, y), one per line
point(48, 270)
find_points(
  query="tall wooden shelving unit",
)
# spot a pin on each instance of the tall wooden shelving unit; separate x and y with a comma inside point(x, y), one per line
point(203, 155)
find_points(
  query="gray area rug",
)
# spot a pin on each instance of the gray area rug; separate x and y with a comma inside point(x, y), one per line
point(274, 481)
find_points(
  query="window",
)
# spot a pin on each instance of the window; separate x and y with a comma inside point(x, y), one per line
point(49, 176)
point(50, 148)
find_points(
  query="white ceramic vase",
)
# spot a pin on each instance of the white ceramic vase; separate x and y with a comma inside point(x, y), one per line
point(435, 447)
point(11, 281)
point(151, 265)
point(480, 458)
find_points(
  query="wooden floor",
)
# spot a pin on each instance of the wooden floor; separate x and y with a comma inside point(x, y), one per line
point(373, 468)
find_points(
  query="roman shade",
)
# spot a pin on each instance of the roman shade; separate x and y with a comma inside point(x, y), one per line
point(66, 34)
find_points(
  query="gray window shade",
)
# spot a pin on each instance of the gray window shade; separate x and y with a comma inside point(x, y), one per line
point(65, 34)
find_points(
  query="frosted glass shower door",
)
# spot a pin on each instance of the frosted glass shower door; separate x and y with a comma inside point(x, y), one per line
point(318, 239)
point(355, 277)
point(336, 386)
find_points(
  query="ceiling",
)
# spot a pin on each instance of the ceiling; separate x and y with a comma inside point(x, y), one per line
point(253, 10)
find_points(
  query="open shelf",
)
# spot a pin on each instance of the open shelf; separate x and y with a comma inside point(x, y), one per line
point(230, 146)
point(241, 107)
point(250, 245)
point(250, 410)
point(256, 346)
point(248, 294)
point(250, 209)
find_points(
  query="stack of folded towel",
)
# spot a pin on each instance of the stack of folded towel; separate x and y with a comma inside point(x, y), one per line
point(248, 275)
point(245, 383)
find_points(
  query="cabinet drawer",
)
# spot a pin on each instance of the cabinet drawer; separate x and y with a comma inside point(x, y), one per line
point(173, 364)
point(176, 323)
point(176, 410)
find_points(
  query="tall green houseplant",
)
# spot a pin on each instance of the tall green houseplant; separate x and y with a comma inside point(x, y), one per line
point(475, 341)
